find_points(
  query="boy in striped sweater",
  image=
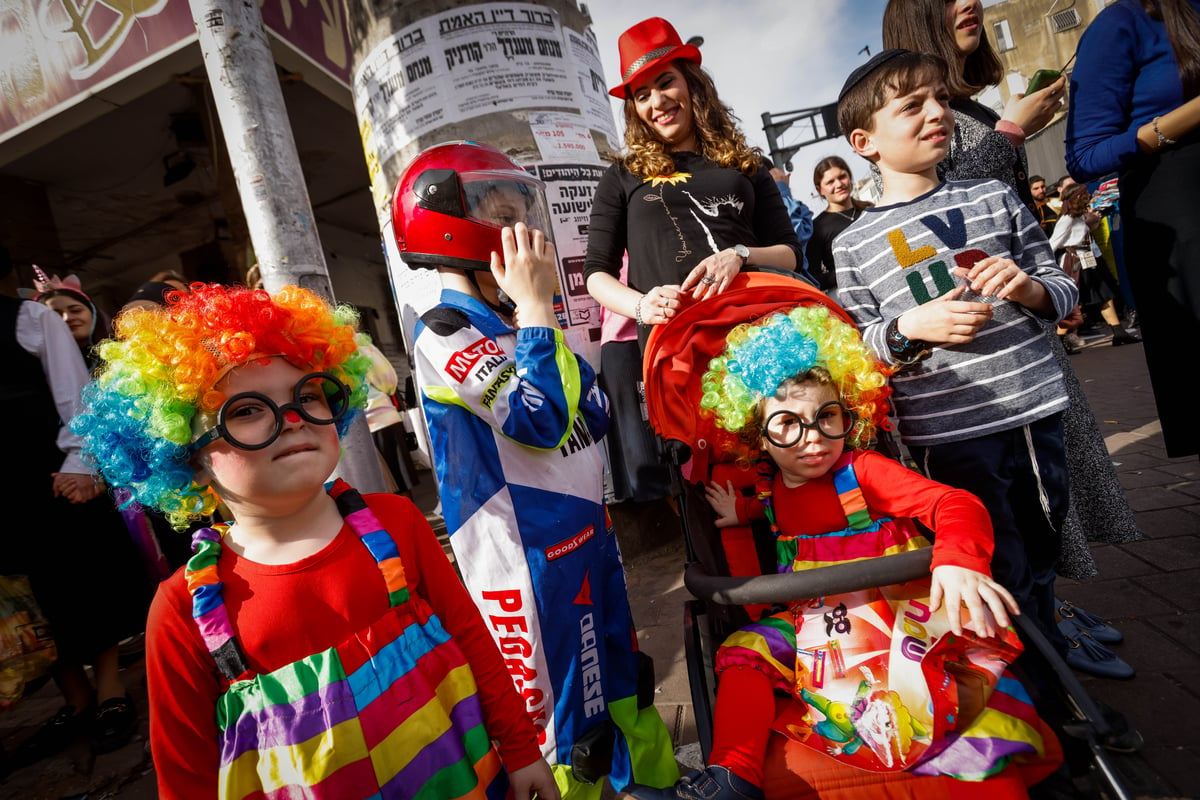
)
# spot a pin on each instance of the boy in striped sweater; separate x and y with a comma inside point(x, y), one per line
point(955, 285)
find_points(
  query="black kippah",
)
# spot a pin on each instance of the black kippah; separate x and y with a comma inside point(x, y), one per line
point(876, 61)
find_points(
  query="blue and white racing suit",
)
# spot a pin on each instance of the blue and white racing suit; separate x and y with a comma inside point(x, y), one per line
point(515, 418)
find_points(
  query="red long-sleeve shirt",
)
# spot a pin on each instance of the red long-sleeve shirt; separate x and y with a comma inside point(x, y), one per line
point(958, 518)
point(283, 613)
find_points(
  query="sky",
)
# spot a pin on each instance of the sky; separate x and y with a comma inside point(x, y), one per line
point(764, 56)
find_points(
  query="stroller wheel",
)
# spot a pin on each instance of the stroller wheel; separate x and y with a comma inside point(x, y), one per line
point(1121, 737)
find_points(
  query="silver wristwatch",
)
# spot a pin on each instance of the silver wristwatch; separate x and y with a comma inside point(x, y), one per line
point(743, 252)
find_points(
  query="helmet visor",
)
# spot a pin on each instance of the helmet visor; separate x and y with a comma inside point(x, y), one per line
point(502, 199)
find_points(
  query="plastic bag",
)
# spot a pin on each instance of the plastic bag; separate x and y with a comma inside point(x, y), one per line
point(27, 648)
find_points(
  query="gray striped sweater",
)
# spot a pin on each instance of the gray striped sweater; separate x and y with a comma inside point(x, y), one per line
point(897, 257)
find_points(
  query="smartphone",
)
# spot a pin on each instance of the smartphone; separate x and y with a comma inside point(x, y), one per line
point(1041, 79)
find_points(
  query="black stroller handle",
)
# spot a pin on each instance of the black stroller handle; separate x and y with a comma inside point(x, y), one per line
point(790, 587)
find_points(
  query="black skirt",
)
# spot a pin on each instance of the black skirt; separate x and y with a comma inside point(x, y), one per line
point(86, 574)
point(1096, 285)
point(637, 471)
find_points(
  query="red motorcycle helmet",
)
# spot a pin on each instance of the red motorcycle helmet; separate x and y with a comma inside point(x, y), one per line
point(452, 201)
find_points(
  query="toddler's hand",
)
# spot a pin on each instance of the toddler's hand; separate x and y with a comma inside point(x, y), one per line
point(533, 779)
point(77, 488)
point(959, 587)
point(723, 499)
point(945, 320)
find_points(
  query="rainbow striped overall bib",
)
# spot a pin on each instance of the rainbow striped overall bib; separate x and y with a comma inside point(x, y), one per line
point(342, 724)
point(882, 683)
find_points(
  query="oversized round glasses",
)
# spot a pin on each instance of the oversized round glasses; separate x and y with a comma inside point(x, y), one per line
point(833, 421)
point(252, 421)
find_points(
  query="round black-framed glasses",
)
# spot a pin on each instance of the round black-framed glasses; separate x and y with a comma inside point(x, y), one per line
point(252, 421)
point(833, 421)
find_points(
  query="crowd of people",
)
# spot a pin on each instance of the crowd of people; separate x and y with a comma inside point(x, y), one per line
point(285, 647)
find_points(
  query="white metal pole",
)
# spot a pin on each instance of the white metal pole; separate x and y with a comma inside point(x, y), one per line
point(262, 151)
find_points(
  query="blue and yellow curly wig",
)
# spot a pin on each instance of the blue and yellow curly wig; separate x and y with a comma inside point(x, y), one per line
point(759, 358)
point(162, 368)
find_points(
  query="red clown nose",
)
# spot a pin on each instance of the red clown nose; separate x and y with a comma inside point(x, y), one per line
point(291, 416)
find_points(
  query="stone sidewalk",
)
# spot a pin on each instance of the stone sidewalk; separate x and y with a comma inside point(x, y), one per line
point(1149, 589)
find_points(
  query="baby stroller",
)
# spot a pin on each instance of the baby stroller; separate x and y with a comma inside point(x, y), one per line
point(731, 571)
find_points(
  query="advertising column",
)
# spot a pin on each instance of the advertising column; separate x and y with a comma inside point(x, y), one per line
point(512, 75)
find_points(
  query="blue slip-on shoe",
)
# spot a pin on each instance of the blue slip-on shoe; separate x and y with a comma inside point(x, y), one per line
point(711, 783)
point(1086, 654)
point(1099, 628)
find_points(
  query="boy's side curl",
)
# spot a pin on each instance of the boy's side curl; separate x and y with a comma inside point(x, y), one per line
point(162, 367)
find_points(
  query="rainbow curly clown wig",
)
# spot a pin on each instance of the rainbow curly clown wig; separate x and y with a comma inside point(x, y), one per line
point(760, 357)
point(162, 368)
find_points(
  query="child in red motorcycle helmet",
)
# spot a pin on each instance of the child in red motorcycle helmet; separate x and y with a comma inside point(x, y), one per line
point(515, 419)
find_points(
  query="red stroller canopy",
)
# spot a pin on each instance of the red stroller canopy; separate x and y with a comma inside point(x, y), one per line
point(678, 353)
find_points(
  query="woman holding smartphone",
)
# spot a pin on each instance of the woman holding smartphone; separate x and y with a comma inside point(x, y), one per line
point(985, 144)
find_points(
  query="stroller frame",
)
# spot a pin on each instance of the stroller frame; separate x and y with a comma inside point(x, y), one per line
point(706, 615)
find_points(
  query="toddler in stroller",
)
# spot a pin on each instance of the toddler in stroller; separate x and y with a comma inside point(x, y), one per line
point(905, 679)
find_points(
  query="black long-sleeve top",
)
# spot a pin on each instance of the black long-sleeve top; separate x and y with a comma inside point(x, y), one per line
point(671, 223)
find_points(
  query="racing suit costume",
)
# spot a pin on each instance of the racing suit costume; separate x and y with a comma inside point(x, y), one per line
point(515, 418)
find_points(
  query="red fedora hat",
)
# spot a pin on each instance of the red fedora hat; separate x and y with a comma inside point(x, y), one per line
point(650, 43)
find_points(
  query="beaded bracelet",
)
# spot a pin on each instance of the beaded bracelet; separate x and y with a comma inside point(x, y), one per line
point(637, 311)
point(1163, 141)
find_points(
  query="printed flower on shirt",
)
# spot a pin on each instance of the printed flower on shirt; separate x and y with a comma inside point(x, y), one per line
point(673, 179)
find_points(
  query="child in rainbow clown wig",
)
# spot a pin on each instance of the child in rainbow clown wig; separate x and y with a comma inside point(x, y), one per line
point(804, 393)
point(278, 658)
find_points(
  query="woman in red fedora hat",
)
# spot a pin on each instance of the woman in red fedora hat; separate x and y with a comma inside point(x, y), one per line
point(689, 200)
point(691, 203)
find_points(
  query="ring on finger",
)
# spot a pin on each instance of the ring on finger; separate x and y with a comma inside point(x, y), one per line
point(708, 279)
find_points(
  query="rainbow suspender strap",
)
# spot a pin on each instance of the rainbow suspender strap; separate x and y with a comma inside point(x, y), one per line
point(329, 725)
point(865, 536)
point(850, 495)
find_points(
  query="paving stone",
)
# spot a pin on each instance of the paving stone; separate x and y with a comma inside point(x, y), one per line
point(1188, 468)
point(1177, 766)
point(1158, 706)
point(1136, 479)
point(1147, 650)
point(1156, 497)
point(1117, 599)
point(1169, 522)
point(1181, 589)
point(1170, 555)
point(1190, 488)
point(1184, 628)
point(1142, 458)
point(1115, 561)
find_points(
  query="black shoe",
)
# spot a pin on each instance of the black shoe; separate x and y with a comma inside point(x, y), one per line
point(113, 725)
point(1122, 736)
point(53, 737)
point(711, 783)
point(1122, 336)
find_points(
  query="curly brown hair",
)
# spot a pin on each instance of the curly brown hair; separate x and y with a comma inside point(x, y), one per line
point(1075, 200)
point(715, 125)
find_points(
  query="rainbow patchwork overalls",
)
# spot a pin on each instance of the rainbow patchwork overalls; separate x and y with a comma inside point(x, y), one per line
point(342, 724)
point(883, 683)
